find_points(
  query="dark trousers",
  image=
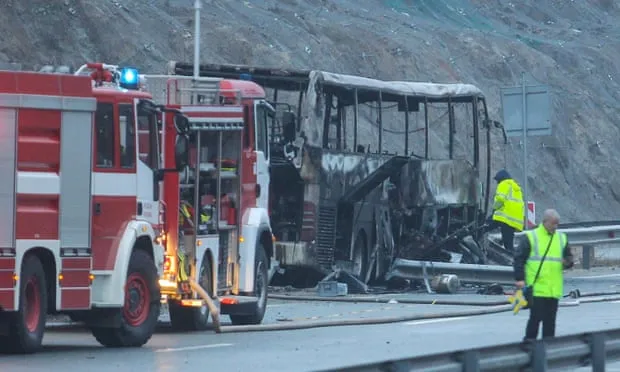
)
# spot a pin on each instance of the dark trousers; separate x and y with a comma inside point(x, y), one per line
point(508, 234)
point(543, 309)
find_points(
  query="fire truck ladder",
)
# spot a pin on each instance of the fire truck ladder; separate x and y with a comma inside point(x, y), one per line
point(200, 91)
point(183, 90)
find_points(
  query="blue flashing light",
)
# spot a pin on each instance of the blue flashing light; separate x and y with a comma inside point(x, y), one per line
point(245, 77)
point(129, 78)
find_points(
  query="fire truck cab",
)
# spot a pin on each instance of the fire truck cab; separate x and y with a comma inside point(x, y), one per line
point(223, 241)
point(80, 206)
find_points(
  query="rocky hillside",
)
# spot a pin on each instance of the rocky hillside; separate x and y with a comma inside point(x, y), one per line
point(570, 45)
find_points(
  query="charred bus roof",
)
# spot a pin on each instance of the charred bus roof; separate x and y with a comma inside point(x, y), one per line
point(341, 85)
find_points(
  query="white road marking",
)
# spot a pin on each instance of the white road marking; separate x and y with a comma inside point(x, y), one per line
point(438, 320)
point(595, 276)
point(189, 348)
point(277, 305)
point(62, 324)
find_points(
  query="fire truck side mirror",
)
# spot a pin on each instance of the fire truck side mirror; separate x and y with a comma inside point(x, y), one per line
point(181, 152)
point(181, 123)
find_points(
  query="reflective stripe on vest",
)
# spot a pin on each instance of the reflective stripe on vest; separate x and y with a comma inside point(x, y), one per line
point(536, 249)
point(509, 196)
point(499, 213)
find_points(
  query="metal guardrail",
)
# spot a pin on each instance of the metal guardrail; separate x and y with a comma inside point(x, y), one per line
point(471, 273)
point(489, 274)
point(584, 235)
point(599, 232)
point(560, 354)
point(589, 224)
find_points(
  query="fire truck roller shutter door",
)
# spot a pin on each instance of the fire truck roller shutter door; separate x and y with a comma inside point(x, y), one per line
point(8, 118)
point(74, 213)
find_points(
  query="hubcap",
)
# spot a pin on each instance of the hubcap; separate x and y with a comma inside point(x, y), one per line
point(136, 308)
point(32, 305)
point(260, 287)
point(357, 262)
point(205, 283)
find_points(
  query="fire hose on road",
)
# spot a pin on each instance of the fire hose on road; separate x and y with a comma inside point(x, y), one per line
point(499, 307)
point(584, 297)
point(574, 293)
point(487, 308)
point(215, 313)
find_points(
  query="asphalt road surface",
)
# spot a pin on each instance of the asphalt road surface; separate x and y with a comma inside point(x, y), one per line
point(302, 350)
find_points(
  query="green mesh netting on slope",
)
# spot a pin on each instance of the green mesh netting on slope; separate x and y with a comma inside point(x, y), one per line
point(456, 13)
point(462, 14)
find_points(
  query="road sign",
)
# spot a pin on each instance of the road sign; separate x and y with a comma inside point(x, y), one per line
point(526, 112)
point(531, 215)
point(537, 110)
point(10, 66)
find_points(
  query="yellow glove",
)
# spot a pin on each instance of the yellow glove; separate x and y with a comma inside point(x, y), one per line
point(518, 301)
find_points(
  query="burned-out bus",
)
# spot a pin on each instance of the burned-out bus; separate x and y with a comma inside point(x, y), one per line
point(364, 171)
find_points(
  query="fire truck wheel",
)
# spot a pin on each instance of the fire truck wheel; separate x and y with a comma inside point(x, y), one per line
point(184, 318)
point(26, 326)
point(261, 282)
point(142, 302)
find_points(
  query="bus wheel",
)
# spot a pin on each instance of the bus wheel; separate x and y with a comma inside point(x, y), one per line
point(26, 326)
point(141, 308)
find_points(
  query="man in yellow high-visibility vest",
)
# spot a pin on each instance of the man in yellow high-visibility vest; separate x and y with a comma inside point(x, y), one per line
point(541, 257)
point(508, 213)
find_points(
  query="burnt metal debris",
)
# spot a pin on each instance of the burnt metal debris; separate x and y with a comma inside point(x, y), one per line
point(339, 204)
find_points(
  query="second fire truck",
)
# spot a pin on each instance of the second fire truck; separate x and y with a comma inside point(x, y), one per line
point(227, 246)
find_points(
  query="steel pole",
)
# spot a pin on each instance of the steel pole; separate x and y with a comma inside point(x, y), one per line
point(524, 122)
point(197, 7)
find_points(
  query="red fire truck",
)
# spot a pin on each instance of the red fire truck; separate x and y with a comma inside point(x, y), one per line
point(90, 228)
point(227, 246)
point(80, 209)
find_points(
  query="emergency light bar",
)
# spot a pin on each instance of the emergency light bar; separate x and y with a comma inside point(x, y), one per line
point(129, 78)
